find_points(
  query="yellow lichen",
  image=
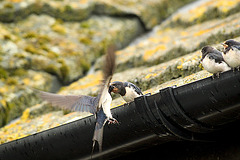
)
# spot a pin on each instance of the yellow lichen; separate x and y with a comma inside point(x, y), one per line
point(199, 33)
point(183, 33)
point(149, 53)
point(32, 49)
point(88, 81)
point(197, 12)
point(37, 77)
point(58, 28)
point(150, 75)
point(4, 89)
point(181, 64)
point(26, 81)
point(26, 115)
point(225, 6)
point(3, 102)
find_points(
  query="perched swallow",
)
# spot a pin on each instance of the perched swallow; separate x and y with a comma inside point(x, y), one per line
point(231, 54)
point(212, 60)
point(99, 106)
point(127, 90)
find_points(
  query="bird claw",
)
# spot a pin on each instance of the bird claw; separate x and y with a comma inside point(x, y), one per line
point(216, 75)
point(127, 103)
point(213, 76)
point(112, 121)
point(238, 68)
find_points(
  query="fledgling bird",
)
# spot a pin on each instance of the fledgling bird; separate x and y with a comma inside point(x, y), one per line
point(99, 106)
point(212, 60)
point(231, 54)
point(127, 90)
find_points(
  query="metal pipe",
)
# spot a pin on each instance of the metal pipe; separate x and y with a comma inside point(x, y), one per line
point(197, 111)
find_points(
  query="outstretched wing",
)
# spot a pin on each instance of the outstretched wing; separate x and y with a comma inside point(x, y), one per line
point(80, 103)
point(108, 69)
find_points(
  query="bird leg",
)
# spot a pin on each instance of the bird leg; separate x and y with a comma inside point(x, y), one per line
point(112, 121)
point(218, 74)
point(127, 103)
point(238, 68)
point(213, 76)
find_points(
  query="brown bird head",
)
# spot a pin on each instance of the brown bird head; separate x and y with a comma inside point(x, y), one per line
point(205, 50)
point(117, 87)
point(228, 44)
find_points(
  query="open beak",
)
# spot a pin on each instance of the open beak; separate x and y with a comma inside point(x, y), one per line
point(224, 45)
point(113, 89)
point(110, 89)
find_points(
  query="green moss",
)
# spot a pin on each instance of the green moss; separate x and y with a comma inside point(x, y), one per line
point(30, 35)
point(52, 55)
point(85, 65)
point(211, 13)
point(85, 40)
point(64, 70)
point(8, 5)
point(68, 8)
point(32, 49)
point(12, 81)
point(85, 24)
point(173, 53)
point(219, 38)
point(51, 68)
point(20, 72)
point(168, 7)
point(7, 37)
point(43, 39)
point(56, 27)
point(3, 73)
point(19, 55)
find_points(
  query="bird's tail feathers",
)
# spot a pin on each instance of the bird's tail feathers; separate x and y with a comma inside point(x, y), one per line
point(98, 136)
point(110, 61)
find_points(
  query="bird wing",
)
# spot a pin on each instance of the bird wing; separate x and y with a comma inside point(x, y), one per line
point(217, 56)
point(138, 90)
point(103, 109)
point(237, 47)
point(80, 103)
point(108, 70)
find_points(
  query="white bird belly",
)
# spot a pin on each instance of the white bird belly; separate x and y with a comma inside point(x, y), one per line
point(211, 66)
point(106, 105)
point(130, 94)
point(232, 57)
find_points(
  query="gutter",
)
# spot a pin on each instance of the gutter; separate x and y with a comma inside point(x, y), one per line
point(198, 111)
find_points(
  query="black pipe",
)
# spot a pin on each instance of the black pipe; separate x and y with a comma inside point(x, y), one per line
point(197, 111)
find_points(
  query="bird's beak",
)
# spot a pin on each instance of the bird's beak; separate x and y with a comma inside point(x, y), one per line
point(110, 89)
point(224, 45)
point(113, 89)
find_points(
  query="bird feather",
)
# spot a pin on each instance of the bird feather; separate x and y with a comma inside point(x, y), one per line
point(81, 103)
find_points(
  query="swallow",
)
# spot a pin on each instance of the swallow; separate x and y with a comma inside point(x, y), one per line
point(127, 90)
point(212, 60)
point(231, 54)
point(98, 106)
